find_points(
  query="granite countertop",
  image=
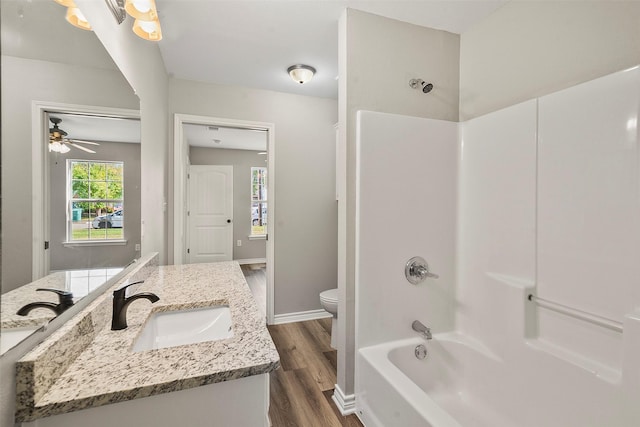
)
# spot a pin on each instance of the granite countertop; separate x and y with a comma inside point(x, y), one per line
point(108, 371)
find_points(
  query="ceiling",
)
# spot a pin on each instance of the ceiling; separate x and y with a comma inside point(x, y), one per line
point(252, 43)
point(247, 43)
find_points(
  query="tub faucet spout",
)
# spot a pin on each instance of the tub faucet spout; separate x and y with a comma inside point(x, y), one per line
point(421, 329)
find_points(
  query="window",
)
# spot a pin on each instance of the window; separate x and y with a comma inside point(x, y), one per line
point(95, 201)
point(258, 201)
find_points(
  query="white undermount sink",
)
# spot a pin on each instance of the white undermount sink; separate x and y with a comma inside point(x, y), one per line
point(181, 327)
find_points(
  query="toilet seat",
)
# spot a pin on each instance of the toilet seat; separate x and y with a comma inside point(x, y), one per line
point(330, 296)
point(329, 301)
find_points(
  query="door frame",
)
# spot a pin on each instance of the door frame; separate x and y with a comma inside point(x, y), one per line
point(180, 191)
point(189, 208)
point(40, 227)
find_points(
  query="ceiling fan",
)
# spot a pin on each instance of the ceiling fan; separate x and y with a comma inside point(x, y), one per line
point(59, 143)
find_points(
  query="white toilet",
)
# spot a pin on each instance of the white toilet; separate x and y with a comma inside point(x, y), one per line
point(329, 301)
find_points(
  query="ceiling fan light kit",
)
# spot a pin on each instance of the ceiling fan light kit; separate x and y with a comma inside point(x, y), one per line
point(59, 143)
point(58, 147)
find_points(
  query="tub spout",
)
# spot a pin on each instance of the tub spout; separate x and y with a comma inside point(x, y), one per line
point(421, 329)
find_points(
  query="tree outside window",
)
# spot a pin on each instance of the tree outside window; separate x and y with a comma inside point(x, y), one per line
point(96, 200)
point(258, 201)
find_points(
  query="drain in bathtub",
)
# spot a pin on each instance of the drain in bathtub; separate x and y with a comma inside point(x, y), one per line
point(420, 351)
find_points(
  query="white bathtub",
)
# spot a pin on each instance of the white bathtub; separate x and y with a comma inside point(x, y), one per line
point(462, 384)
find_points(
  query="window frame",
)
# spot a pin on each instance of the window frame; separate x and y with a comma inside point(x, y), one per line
point(259, 201)
point(69, 242)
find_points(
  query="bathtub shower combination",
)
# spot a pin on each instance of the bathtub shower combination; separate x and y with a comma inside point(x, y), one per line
point(530, 216)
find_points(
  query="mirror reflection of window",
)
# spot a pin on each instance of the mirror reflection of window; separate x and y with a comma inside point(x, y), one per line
point(258, 201)
point(96, 200)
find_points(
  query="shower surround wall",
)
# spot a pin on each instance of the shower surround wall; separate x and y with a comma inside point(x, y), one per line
point(406, 207)
point(548, 203)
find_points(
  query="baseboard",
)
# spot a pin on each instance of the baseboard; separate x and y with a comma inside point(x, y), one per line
point(345, 404)
point(251, 261)
point(300, 316)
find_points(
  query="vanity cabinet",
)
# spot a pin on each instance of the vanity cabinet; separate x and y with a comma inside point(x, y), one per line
point(88, 374)
point(239, 403)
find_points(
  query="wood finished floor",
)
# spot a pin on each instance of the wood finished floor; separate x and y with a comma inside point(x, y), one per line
point(302, 387)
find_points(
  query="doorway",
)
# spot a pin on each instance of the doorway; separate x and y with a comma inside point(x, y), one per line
point(253, 201)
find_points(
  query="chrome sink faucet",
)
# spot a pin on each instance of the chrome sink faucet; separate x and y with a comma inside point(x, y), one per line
point(65, 300)
point(121, 303)
point(422, 329)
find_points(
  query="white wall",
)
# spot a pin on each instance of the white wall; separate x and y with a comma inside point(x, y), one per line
point(378, 56)
point(588, 214)
point(496, 220)
point(406, 207)
point(24, 81)
point(305, 207)
point(531, 48)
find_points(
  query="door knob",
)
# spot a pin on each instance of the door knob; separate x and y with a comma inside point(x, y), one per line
point(228, 221)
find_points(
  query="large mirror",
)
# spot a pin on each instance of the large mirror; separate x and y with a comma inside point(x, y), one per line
point(70, 166)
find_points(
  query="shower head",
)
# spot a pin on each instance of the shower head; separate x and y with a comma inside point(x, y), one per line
point(420, 84)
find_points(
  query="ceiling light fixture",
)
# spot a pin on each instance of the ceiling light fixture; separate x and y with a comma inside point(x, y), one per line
point(147, 23)
point(77, 19)
point(144, 10)
point(58, 147)
point(148, 30)
point(74, 16)
point(301, 73)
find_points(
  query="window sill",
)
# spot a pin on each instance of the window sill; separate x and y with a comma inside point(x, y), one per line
point(258, 237)
point(94, 243)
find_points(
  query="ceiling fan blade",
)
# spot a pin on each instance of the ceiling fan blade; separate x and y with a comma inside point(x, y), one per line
point(80, 147)
point(82, 141)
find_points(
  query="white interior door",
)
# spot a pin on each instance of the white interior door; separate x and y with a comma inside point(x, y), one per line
point(210, 214)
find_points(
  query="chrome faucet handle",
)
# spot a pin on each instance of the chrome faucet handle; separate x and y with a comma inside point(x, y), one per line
point(417, 270)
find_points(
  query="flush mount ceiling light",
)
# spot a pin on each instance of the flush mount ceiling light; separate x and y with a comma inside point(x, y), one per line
point(301, 73)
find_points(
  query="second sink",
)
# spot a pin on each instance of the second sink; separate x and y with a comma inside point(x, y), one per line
point(181, 327)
